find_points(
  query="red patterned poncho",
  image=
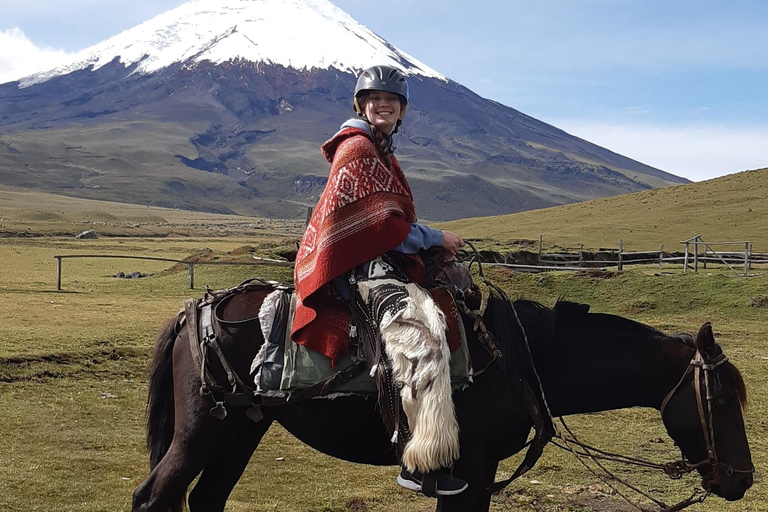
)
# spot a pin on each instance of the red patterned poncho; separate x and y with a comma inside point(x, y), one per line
point(365, 210)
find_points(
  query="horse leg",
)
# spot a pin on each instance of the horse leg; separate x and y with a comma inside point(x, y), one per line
point(219, 477)
point(465, 501)
point(198, 439)
point(477, 496)
point(167, 484)
point(483, 498)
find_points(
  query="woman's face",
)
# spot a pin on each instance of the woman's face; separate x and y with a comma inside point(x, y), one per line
point(382, 110)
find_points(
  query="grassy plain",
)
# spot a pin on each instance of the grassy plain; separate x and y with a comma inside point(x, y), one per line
point(728, 209)
point(73, 383)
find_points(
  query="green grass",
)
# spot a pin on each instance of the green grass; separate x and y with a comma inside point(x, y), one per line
point(73, 363)
point(73, 384)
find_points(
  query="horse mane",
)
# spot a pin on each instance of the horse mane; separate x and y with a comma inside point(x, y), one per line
point(539, 323)
point(514, 322)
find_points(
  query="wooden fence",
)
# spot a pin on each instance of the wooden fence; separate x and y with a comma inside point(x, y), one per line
point(694, 257)
point(190, 264)
point(697, 253)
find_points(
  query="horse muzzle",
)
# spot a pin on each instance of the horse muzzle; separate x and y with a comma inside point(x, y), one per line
point(727, 484)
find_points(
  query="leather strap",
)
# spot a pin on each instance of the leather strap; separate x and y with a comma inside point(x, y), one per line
point(429, 483)
point(321, 389)
point(195, 346)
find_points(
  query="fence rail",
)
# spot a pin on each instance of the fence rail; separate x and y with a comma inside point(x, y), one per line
point(694, 256)
point(190, 264)
point(572, 261)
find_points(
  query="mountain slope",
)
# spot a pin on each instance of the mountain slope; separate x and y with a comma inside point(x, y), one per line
point(222, 105)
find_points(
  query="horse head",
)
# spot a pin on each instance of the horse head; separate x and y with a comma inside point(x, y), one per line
point(703, 414)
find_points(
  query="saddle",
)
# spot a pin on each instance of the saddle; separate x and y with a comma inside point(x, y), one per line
point(284, 371)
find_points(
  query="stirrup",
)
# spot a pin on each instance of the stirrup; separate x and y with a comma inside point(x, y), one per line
point(433, 484)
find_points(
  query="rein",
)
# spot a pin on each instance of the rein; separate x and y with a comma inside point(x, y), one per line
point(533, 396)
point(698, 364)
point(675, 470)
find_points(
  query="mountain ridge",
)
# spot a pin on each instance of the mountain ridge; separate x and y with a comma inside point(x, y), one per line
point(243, 137)
point(201, 30)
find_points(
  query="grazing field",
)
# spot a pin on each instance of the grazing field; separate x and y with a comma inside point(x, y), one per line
point(73, 385)
point(73, 365)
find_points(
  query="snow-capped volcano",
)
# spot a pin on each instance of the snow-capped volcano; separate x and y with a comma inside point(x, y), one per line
point(301, 34)
point(222, 105)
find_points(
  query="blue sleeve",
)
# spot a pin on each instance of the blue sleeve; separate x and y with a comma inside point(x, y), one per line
point(421, 237)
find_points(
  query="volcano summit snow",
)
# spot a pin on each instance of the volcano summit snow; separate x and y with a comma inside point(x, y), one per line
point(221, 105)
point(301, 34)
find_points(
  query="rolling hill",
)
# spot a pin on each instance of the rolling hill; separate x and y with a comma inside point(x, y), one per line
point(730, 208)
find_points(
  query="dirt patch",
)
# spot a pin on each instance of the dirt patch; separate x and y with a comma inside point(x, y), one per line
point(573, 498)
point(634, 308)
point(200, 255)
point(602, 504)
point(356, 505)
point(241, 251)
point(598, 273)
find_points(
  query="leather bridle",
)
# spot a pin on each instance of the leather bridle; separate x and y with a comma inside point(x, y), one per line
point(699, 365)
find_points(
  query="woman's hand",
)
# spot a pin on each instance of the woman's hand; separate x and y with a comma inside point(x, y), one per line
point(451, 245)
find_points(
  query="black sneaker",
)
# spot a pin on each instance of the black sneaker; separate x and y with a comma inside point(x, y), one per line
point(446, 485)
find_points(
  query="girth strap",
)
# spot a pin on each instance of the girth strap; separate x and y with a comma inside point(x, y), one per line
point(543, 435)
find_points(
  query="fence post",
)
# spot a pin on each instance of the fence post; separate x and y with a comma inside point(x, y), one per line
point(685, 262)
point(191, 276)
point(746, 258)
point(661, 256)
point(58, 273)
point(538, 258)
point(621, 250)
point(581, 255)
point(310, 209)
point(696, 254)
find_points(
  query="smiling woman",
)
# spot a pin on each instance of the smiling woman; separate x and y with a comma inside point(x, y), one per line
point(363, 234)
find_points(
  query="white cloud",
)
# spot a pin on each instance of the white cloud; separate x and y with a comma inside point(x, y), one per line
point(694, 152)
point(20, 57)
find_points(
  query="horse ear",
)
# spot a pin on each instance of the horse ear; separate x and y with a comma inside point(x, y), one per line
point(705, 339)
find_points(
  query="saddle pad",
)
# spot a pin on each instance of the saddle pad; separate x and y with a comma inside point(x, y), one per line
point(302, 368)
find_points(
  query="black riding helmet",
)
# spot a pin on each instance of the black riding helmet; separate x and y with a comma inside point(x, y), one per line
point(382, 78)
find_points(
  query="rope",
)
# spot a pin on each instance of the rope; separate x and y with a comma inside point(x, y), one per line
point(674, 470)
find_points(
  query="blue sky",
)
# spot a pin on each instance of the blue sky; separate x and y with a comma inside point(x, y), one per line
point(681, 85)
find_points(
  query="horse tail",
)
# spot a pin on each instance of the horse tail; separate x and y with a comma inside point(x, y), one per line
point(160, 404)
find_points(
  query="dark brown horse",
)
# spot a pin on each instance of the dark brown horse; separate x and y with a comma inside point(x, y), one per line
point(587, 362)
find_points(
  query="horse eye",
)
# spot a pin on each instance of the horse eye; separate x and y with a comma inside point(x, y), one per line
point(722, 401)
